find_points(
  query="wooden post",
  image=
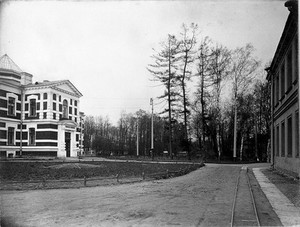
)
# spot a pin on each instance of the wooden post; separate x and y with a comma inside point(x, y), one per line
point(84, 181)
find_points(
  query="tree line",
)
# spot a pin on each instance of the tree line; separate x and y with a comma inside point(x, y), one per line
point(224, 116)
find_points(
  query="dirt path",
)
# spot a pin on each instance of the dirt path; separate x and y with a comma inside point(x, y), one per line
point(201, 198)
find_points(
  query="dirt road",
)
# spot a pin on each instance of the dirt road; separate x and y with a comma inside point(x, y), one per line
point(201, 198)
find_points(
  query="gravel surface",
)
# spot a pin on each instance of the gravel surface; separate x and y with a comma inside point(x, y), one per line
point(201, 198)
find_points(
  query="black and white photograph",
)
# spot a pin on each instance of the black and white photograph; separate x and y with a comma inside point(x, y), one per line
point(149, 113)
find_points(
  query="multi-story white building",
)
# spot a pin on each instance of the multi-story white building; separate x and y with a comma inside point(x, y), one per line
point(283, 75)
point(39, 118)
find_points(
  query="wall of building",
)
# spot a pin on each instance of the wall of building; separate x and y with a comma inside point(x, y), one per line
point(284, 76)
point(286, 143)
point(46, 123)
point(9, 121)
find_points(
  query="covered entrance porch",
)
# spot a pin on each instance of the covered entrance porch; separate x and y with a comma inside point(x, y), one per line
point(67, 139)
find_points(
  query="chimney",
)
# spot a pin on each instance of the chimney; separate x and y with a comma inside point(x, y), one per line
point(26, 78)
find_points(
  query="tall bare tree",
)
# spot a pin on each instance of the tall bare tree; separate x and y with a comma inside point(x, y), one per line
point(186, 58)
point(164, 71)
point(219, 70)
point(243, 70)
point(202, 66)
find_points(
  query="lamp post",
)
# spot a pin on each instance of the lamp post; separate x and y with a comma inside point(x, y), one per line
point(137, 137)
point(152, 143)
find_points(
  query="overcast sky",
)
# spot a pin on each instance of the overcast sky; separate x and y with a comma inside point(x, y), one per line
point(103, 47)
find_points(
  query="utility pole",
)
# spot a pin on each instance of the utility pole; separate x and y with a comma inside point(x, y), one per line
point(152, 143)
point(137, 137)
point(21, 122)
point(235, 130)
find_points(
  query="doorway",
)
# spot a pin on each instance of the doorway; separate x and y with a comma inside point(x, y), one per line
point(68, 143)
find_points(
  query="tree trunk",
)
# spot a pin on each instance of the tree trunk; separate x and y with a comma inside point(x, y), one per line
point(242, 146)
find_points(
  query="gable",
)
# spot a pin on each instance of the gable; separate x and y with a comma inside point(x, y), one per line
point(67, 87)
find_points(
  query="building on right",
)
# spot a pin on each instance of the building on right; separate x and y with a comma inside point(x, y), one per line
point(283, 76)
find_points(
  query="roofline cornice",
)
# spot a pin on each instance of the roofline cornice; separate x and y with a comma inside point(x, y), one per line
point(289, 31)
point(64, 91)
point(7, 83)
point(74, 88)
point(10, 71)
point(54, 87)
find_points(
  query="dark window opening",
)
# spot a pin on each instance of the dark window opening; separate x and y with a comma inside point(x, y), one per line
point(282, 139)
point(277, 141)
point(65, 109)
point(32, 107)
point(282, 76)
point(289, 69)
point(289, 137)
point(31, 136)
point(297, 133)
point(11, 106)
point(10, 136)
point(277, 90)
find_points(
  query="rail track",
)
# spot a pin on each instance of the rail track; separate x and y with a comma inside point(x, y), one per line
point(244, 212)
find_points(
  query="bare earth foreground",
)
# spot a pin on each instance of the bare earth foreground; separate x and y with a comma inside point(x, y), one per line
point(203, 197)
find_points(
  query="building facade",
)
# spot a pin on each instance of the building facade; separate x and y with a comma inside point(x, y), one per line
point(283, 74)
point(38, 119)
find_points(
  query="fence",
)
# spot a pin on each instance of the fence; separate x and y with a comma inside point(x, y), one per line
point(95, 181)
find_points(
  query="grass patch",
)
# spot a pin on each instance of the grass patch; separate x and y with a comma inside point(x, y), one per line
point(35, 171)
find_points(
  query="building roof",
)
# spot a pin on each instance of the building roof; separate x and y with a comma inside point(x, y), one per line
point(7, 64)
point(59, 85)
point(290, 29)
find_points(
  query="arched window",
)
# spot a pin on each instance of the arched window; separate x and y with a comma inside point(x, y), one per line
point(65, 109)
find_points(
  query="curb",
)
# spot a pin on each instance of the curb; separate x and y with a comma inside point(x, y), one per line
point(287, 212)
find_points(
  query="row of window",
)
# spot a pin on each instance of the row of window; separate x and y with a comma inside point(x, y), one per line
point(60, 116)
point(61, 107)
point(11, 136)
point(284, 136)
point(287, 74)
point(31, 139)
point(45, 96)
point(11, 106)
point(65, 109)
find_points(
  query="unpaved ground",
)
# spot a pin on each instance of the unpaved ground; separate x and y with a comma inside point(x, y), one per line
point(201, 198)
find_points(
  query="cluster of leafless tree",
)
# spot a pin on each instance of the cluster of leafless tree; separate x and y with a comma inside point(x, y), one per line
point(201, 122)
